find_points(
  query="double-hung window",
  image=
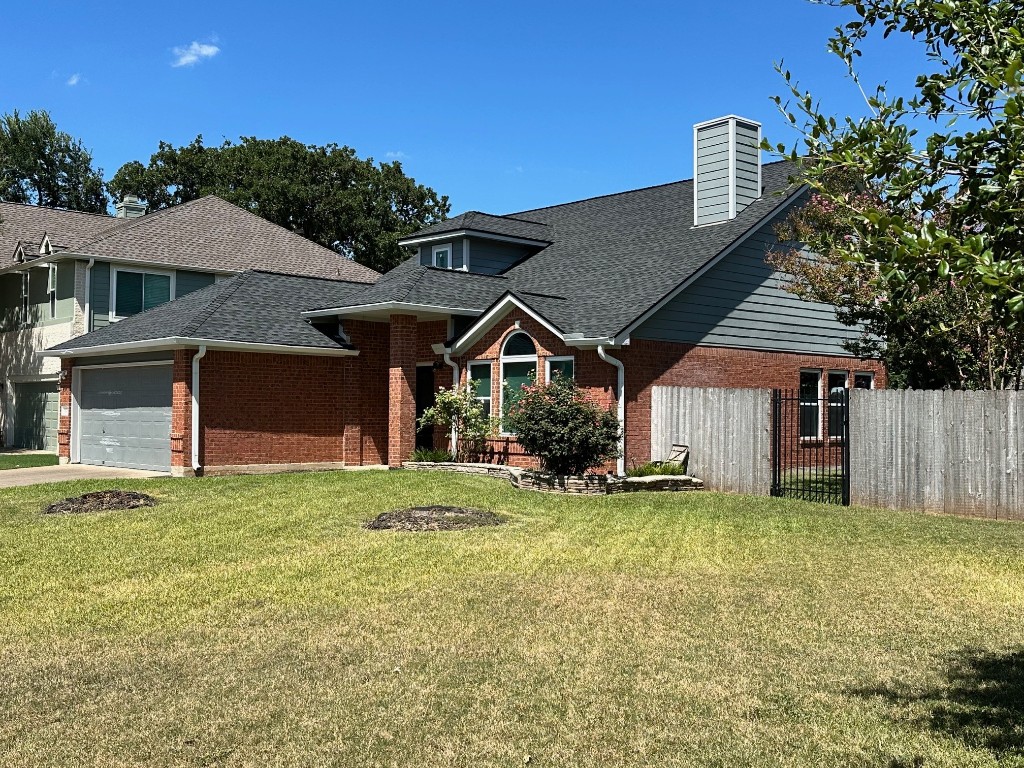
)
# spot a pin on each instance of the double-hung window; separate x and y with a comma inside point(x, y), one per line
point(480, 382)
point(810, 407)
point(133, 291)
point(836, 400)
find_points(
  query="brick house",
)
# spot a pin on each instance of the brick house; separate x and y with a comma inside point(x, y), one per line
point(65, 273)
point(666, 285)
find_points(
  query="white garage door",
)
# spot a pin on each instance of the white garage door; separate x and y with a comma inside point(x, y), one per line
point(125, 417)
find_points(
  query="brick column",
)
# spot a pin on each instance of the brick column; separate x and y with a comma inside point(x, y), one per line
point(181, 413)
point(402, 390)
point(64, 412)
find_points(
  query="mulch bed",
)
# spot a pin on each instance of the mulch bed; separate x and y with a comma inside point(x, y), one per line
point(100, 501)
point(433, 518)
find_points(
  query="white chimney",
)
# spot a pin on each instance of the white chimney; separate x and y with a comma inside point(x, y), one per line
point(726, 168)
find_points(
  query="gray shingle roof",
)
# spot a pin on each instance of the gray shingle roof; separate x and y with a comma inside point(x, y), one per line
point(611, 259)
point(28, 224)
point(251, 307)
point(210, 233)
point(509, 226)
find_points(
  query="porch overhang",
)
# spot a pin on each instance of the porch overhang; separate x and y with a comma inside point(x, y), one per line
point(382, 311)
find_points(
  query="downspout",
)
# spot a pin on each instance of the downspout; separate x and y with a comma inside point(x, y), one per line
point(88, 294)
point(620, 464)
point(456, 378)
point(195, 406)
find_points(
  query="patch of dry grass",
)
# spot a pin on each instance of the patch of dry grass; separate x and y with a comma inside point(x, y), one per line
point(253, 621)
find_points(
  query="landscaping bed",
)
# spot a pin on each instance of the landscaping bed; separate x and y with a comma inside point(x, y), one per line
point(434, 518)
point(100, 501)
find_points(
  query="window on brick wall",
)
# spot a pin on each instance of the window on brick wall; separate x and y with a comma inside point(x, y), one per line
point(518, 367)
point(810, 408)
point(560, 366)
point(836, 394)
point(480, 381)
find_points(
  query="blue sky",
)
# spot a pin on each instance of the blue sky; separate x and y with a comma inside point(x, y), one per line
point(501, 106)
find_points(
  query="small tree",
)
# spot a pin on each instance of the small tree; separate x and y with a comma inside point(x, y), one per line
point(458, 410)
point(564, 428)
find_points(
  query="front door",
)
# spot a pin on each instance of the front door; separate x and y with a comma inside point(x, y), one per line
point(425, 395)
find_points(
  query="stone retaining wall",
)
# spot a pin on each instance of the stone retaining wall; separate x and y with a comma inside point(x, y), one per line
point(590, 485)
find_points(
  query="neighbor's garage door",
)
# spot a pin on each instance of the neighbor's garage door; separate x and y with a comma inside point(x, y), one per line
point(125, 417)
point(35, 415)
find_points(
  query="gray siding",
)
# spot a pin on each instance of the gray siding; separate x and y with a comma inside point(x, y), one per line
point(741, 302)
point(711, 174)
point(486, 257)
point(747, 162)
point(186, 282)
point(489, 257)
point(99, 300)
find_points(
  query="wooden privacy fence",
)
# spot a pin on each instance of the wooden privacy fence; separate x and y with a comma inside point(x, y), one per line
point(941, 451)
point(728, 431)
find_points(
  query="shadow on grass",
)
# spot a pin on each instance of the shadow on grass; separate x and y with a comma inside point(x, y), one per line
point(981, 704)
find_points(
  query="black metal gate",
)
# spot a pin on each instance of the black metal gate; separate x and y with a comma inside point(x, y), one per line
point(810, 445)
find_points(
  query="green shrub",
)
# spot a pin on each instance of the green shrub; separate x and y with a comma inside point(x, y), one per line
point(562, 427)
point(458, 410)
point(656, 468)
point(432, 454)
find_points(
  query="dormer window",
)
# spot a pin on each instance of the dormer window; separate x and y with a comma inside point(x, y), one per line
point(441, 256)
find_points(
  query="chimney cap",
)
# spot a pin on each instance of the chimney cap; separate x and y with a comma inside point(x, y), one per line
point(723, 118)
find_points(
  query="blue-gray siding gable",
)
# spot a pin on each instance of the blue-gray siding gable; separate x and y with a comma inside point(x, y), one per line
point(742, 302)
point(486, 256)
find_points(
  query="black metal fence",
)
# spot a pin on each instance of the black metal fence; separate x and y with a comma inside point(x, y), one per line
point(810, 445)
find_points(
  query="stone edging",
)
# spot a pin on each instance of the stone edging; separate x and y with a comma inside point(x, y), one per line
point(590, 485)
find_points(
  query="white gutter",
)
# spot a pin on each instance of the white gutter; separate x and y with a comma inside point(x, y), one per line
point(456, 378)
point(620, 464)
point(88, 292)
point(172, 342)
point(392, 307)
point(195, 406)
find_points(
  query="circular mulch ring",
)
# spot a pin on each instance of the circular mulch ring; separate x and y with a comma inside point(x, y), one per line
point(100, 501)
point(433, 518)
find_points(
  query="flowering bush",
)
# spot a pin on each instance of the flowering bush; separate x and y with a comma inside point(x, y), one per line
point(562, 427)
point(458, 410)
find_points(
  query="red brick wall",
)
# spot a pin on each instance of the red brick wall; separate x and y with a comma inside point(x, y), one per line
point(366, 388)
point(270, 409)
point(64, 412)
point(402, 389)
point(181, 411)
point(658, 363)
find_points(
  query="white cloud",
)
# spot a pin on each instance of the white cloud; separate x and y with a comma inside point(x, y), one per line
point(396, 155)
point(187, 55)
point(74, 80)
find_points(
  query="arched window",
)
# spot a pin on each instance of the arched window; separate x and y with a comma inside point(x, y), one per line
point(518, 367)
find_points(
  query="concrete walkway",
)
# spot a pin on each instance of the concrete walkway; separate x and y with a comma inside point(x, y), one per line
point(10, 478)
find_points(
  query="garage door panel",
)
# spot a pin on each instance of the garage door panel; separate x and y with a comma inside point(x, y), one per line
point(125, 417)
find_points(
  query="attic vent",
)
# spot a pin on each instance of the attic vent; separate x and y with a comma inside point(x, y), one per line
point(727, 168)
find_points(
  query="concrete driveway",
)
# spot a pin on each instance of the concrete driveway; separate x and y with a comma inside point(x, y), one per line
point(10, 478)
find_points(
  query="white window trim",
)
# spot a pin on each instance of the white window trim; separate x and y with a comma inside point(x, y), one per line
point(800, 404)
point(869, 374)
point(443, 247)
point(558, 359)
point(490, 369)
point(114, 269)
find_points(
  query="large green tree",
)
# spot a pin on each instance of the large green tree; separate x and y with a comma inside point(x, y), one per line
point(325, 193)
point(916, 207)
point(42, 165)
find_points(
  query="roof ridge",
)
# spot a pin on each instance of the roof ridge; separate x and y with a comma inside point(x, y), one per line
point(623, 192)
point(136, 221)
point(58, 210)
point(216, 302)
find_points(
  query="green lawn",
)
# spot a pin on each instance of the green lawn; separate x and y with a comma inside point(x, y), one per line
point(22, 460)
point(253, 622)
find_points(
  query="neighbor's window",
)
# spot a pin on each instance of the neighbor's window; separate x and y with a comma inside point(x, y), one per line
point(51, 288)
point(135, 292)
point(810, 413)
point(441, 256)
point(480, 381)
point(560, 366)
point(864, 380)
point(836, 398)
point(518, 367)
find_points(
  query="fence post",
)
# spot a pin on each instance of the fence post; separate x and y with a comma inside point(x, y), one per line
point(776, 489)
point(846, 447)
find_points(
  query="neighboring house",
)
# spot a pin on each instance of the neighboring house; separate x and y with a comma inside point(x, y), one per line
point(65, 273)
point(666, 285)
